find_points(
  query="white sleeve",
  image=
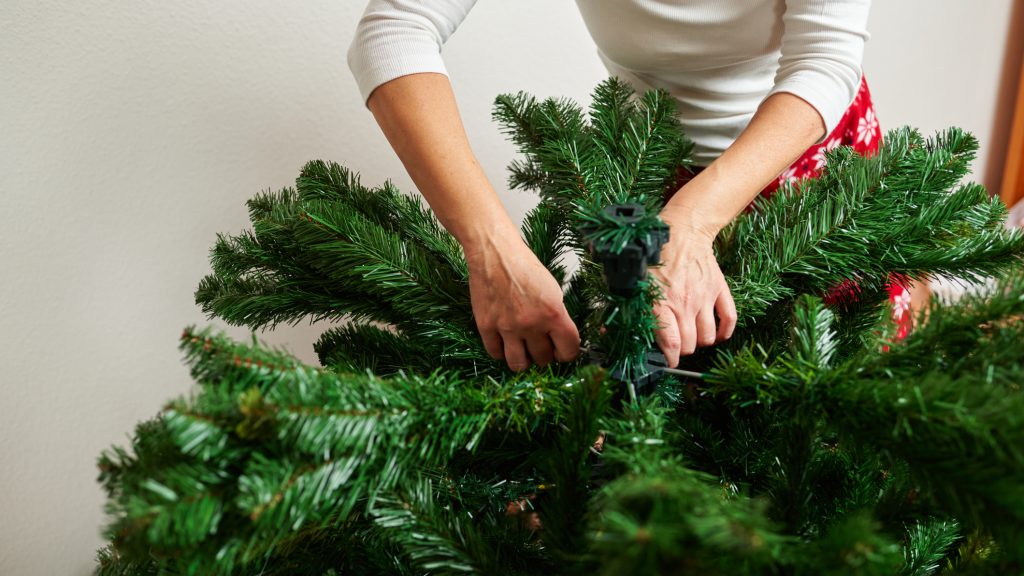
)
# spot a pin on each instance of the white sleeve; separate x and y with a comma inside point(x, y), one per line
point(822, 51)
point(399, 37)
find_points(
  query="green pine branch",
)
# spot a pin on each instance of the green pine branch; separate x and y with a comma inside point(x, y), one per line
point(815, 444)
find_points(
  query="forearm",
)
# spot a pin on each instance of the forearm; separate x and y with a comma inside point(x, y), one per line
point(782, 129)
point(419, 117)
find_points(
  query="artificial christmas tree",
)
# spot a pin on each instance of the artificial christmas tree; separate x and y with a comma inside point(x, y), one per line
point(809, 443)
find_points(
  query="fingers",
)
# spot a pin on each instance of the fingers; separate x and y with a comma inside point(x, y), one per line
point(566, 339)
point(727, 316)
point(682, 331)
point(552, 337)
point(523, 348)
point(541, 350)
point(667, 336)
point(515, 354)
point(519, 310)
point(493, 343)
point(705, 326)
point(686, 320)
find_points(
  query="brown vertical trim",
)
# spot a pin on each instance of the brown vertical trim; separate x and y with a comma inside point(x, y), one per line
point(1006, 98)
point(1012, 190)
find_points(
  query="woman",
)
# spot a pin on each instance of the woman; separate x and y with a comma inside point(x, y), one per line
point(763, 87)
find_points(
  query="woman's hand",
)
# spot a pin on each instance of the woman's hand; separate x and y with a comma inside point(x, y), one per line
point(518, 304)
point(693, 290)
point(693, 287)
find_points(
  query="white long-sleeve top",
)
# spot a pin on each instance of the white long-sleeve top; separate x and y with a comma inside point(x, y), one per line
point(719, 59)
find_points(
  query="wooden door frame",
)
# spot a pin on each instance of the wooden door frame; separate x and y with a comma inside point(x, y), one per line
point(1012, 189)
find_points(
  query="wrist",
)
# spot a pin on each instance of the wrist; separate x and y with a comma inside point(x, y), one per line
point(691, 223)
point(484, 243)
point(701, 205)
point(710, 201)
point(482, 221)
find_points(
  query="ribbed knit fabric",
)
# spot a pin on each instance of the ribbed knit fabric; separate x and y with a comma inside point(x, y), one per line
point(719, 59)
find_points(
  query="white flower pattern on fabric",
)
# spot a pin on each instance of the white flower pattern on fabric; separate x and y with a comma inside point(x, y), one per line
point(866, 127)
point(790, 175)
point(901, 304)
point(819, 156)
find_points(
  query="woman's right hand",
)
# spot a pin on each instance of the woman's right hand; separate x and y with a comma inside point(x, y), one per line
point(518, 304)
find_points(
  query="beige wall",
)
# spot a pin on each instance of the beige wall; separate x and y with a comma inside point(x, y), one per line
point(132, 132)
point(948, 63)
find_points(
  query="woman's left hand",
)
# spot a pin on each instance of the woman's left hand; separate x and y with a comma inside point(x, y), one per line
point(693, 291)
point(693, 287)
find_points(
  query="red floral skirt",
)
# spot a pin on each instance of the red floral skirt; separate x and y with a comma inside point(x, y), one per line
point(858, 128)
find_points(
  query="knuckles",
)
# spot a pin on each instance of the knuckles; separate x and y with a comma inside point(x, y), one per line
point(551, 310)
point(672, 341)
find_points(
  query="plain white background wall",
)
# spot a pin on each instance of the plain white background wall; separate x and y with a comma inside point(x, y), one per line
point(132, 132)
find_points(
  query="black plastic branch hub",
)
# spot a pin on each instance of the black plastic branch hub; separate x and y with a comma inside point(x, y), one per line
point(624, 267)
point(654, 367)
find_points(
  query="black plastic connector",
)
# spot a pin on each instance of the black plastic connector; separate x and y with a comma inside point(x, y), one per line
point(624, 267)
